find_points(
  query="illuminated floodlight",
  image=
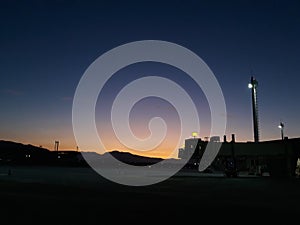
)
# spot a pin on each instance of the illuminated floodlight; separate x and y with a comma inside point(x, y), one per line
point(194, 134)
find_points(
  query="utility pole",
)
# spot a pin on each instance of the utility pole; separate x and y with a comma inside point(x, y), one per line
point(56, 144)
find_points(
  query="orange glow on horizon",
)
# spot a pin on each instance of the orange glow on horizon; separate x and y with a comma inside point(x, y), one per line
point(167, 149)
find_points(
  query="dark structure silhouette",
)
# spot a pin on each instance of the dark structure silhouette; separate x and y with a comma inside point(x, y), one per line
point(281, 127)
point(253, 86)
point(277, 157)
point(56, 145)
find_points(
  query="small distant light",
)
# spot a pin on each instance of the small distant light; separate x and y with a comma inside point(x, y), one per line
point(250, 85)
point(194, 134)
point(280, 127)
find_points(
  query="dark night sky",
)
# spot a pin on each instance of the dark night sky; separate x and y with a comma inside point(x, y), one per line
point(46, 46)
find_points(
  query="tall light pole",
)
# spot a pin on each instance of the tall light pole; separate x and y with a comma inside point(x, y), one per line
point(253, 86)
point(281, 126)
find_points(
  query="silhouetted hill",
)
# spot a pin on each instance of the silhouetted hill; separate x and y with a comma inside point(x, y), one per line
point(133, 159)
point(20, 153)
point(13, 147)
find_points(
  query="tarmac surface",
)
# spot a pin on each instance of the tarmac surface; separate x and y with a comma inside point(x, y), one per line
point(69, 195)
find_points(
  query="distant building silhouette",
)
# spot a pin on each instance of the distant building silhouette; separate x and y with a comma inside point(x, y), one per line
point(215, 139)
point(277, 157)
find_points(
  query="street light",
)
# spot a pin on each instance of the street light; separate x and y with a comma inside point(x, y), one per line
point(253, 86)
point(281, 126)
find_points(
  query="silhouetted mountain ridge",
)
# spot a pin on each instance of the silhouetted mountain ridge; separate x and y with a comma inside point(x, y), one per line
point(25, 153)
point(14, 147)
point(133, 159)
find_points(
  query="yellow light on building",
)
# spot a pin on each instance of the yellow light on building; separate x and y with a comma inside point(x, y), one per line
point(194, 134)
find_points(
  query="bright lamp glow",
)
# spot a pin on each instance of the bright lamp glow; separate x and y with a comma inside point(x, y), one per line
point(250, 85)
point(194, 134)
point(281, 125)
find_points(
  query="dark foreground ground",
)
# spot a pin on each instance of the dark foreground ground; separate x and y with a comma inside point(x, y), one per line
point(52, 195)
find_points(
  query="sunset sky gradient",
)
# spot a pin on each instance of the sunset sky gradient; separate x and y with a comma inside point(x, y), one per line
point(46, 46)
